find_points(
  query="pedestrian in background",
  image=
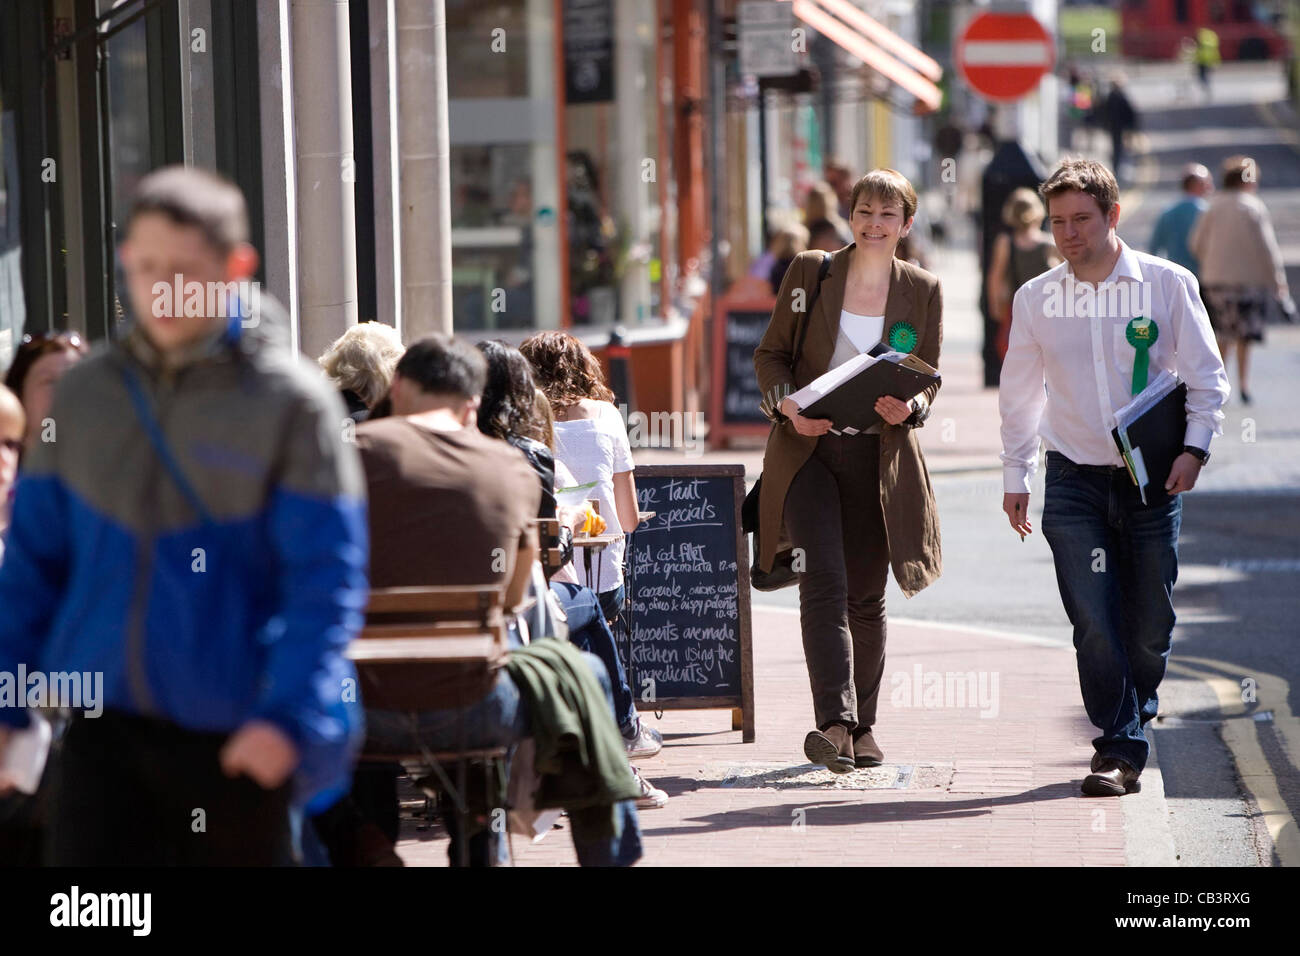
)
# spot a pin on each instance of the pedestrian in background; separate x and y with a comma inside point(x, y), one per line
point(783, 235)
point(1120, 118)
point(13, 426)
point(840, 178)
point(39, 363)
point(821, 213)
point(1020, 252)
point(1207, 57)
point(852, 504)
point(1174, 226)
point(790, 241)
point(1242, 275)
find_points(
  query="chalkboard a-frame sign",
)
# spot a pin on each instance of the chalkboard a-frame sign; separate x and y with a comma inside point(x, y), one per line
point(690, 643)
point(740, 318)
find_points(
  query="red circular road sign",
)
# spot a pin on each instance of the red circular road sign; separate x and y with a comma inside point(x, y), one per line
point(1004, 55)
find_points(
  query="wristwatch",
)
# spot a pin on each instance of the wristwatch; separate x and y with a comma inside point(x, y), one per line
point(1200, 453)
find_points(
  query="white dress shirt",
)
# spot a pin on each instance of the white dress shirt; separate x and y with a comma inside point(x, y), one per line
point(1069, 366)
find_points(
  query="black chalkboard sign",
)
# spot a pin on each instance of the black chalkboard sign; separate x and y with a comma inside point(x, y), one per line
point(741, 397)
point(690, 644)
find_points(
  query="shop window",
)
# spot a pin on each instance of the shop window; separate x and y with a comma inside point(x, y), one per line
point(506, 260)
point(616, 167)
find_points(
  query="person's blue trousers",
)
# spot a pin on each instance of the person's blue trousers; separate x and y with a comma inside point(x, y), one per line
point(499, 719)
point(1116, 563)
point(589, 630)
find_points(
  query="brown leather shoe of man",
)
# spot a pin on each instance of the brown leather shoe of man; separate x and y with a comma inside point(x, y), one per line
point(1112, 778)
point(865, 751)
point(832, 747)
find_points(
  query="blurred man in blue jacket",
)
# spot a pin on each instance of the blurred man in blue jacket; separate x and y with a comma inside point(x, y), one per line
point(192, 532)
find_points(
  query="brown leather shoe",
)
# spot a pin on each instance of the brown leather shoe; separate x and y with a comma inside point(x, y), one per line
point(1111, 778)
point(832, 747)
point(865, 751)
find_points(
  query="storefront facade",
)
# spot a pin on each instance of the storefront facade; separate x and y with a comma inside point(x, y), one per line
point(563, 201)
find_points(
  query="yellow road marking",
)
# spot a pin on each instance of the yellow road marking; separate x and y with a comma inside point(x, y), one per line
point(1241, 737)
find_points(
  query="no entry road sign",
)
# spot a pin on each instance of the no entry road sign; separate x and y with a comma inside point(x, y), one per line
point(1004, 55)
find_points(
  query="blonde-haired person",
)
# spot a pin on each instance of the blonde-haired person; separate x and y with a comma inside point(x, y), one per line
point(1242, 276)
point(1020, 252)
point(361, 363)
point(854, 504)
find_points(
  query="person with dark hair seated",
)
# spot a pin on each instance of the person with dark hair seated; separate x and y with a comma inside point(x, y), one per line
point(509, 411)
point(446, 503)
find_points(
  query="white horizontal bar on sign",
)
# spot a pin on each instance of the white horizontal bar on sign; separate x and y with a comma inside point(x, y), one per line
point(1006, 53)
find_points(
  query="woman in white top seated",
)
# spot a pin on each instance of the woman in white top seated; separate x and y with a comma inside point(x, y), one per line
point(591, 440)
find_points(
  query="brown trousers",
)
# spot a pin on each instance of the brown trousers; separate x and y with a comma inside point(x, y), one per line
point(833, 513)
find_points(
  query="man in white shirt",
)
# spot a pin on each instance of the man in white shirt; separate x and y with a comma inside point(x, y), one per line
point(1069, 367)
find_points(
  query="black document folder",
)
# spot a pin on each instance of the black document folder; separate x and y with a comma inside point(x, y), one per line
point(851, 404)
point(1151, 439)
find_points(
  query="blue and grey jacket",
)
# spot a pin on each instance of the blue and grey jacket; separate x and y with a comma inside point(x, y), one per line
point(207, 613)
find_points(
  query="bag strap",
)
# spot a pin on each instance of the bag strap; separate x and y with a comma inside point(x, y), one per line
point(812, 301)
point(151, 427)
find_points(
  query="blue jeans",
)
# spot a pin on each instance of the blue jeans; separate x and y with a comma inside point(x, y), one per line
point(589, 631)
point(1116, 563)
point(499, 719)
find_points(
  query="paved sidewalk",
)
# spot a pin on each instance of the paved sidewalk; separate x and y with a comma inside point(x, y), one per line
point(958, 788)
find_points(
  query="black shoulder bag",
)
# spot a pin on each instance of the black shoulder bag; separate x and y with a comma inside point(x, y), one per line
point(782, 574)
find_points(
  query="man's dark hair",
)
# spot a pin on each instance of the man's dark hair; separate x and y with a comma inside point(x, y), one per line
point(195, 197)
point(442, 365)
point(1085, 176)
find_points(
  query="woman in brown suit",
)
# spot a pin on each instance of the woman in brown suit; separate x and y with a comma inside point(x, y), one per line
point(854, 505)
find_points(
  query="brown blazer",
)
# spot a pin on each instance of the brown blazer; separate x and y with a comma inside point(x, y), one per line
point(911, 520)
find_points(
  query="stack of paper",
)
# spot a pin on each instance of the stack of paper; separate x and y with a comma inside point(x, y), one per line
point(1149, 430)
point(847, 393)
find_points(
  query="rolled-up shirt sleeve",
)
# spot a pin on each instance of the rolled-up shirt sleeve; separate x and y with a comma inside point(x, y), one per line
point(1199, 363)
point(1021, 399)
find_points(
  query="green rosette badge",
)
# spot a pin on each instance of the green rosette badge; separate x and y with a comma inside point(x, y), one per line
point(902, 337)
point(1141, 334)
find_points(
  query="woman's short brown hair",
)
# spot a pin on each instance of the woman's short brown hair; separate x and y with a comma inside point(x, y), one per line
point(1239, 170)
point(887, 185)
point(565, 369)
point(1085, 176)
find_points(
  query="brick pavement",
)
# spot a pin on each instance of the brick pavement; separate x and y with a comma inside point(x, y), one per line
point(995, 790)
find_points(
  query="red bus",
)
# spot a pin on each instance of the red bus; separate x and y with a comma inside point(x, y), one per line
point(1247, 29)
